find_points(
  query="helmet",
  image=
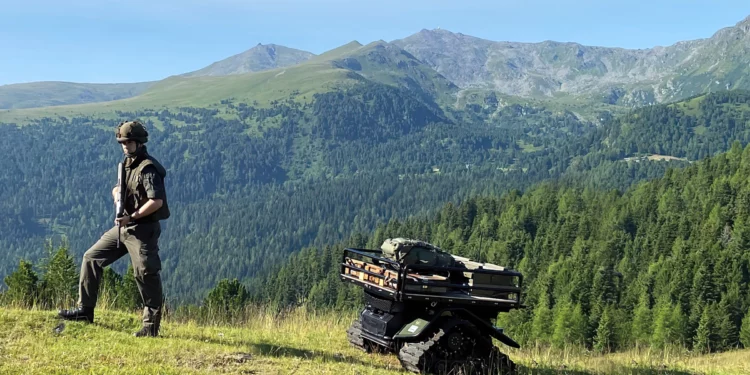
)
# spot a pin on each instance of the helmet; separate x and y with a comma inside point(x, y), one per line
point(131, 130)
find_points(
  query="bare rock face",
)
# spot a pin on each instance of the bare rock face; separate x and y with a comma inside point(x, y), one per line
point(610, 75)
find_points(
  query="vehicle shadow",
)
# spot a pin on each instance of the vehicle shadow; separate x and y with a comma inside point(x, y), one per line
point(619, 370)
point(274, 350)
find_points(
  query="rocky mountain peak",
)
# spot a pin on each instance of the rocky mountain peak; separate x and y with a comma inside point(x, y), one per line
point(740, 29)
point(744, 25)
point(260, 57)
point(551, 68)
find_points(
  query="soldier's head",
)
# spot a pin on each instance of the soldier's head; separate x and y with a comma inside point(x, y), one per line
point(131, 135)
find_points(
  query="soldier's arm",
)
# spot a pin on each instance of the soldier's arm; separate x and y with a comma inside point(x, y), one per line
point(147, 209)
point(154, 186)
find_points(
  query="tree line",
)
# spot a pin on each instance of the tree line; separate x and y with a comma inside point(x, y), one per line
point(664, 263)
point(52, 283)
point(267, 182)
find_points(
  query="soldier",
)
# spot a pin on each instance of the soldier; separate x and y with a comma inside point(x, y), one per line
point(139, 230)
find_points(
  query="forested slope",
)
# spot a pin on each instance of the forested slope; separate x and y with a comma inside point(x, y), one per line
point(249, 185)
point(663, 263)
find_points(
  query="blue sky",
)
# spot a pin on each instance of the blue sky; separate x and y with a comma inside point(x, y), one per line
point(101, 41)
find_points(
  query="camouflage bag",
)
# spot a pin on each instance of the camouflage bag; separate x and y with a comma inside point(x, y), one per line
point(409, 251)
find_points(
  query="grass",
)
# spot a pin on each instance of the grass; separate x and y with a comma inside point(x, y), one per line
point(295, 343)
point(528, 147)
point(635, 362)
point(301, 81)
point(584, 108)
point(337, 52)
point(700, 130)
point(38, 94)
point(265, 345)
point(691, 106)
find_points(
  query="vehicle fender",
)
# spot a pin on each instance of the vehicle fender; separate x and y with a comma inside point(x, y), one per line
point(417, 327)
point(488, 327)
point(413, 330)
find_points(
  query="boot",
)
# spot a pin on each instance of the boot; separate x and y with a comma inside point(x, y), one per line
point(148, 330)
point(151, 322)
point(85, 314)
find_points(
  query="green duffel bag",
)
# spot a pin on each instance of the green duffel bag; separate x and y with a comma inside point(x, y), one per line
point(409, 251)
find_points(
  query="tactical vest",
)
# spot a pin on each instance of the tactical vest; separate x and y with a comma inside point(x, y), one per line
point(136, 195)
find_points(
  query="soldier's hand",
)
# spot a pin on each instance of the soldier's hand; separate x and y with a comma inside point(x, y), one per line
point(123, 220)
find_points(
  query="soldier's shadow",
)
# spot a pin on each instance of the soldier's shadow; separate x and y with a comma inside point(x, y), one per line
point(119, 324)
point(273, 350)
point(260, 348)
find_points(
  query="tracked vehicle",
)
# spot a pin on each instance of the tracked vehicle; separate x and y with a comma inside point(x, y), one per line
point(433, 309)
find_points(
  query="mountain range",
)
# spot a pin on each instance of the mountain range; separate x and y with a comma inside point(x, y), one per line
point(278, 149)
point(453, 67)
point(612, 75)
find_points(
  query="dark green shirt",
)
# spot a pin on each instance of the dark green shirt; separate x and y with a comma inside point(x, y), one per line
point(153, 183)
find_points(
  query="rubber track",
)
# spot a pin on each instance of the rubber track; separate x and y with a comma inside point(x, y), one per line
point(411, 353)
point(500, 359)
point(354, 335)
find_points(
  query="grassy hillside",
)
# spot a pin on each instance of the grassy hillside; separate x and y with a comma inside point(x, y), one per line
point(263, 87)
point(298, 343)
point(444, 65)
point(42, 94)
point(261, 57)
point(47, 94)
point(378, 62)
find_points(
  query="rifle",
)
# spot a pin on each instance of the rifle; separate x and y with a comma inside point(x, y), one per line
point(120, 200)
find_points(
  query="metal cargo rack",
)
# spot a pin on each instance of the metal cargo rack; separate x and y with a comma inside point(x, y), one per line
point(389, 279)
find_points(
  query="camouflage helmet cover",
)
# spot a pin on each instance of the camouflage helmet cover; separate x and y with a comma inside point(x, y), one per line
point(131, 130)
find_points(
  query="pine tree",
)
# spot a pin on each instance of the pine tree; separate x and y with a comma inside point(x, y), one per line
point(109, 290)
point(561, 335)
point(727, 331)
point(642, 322)
point(745, 331)
point(604, 341)
point(322, 294)
point(663, 325)
point(59, 279)
point(679, 324)
point(696, 312)
point(577, 326)
point(129, 296)
point(22, 285)
point(227, 297)
point(703, 341)
point(541, 326)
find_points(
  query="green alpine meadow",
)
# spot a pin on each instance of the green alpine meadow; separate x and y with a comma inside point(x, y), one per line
point(300, 342)
point(616, 181)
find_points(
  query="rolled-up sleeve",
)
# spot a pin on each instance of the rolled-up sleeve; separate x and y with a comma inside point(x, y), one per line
point(153, 184)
